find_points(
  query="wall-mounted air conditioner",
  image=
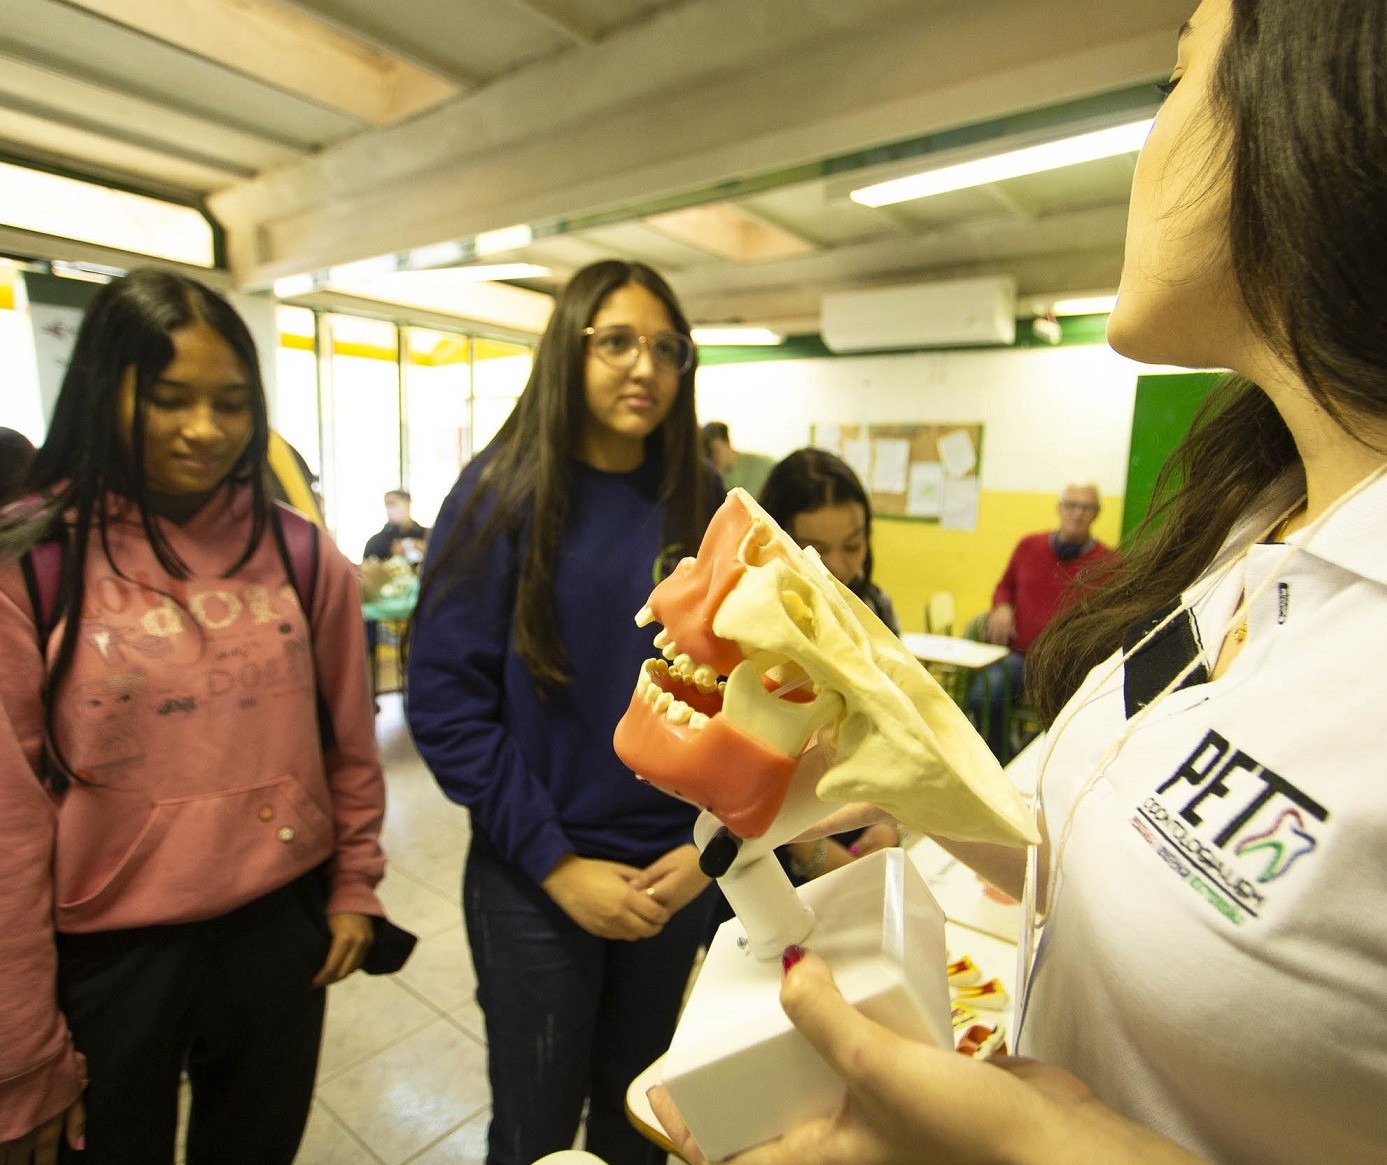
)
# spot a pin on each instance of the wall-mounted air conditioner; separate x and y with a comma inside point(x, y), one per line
point(922, 315)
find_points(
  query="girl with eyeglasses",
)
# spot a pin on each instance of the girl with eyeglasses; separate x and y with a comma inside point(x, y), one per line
point(582, 895)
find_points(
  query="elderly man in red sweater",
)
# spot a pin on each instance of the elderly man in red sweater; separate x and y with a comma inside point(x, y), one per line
point(1029, 595)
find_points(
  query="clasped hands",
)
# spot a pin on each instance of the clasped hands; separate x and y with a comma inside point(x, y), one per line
point(618, 901)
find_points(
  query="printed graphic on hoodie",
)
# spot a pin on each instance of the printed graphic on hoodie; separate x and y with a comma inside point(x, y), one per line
point(195, 650)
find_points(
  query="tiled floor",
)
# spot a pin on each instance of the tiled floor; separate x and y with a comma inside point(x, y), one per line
point(403, 1074)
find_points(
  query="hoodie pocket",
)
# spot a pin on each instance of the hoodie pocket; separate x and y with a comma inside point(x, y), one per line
point(193, 857)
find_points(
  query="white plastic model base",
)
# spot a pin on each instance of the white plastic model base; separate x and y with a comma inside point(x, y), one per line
point(739, 1072)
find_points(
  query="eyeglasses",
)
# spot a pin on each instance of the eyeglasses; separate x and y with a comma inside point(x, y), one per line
point(620, 347)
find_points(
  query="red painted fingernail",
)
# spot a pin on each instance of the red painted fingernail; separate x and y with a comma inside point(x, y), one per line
point(791, 956)
point(81, 1142)
point(852, 849)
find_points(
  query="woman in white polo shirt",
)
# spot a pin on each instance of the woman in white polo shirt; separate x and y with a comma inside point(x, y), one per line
point(1211, 984)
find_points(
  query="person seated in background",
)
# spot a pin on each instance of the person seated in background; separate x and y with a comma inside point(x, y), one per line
point(401, 536)
point(818, 500)
point(747, 470)
point(1030, 594)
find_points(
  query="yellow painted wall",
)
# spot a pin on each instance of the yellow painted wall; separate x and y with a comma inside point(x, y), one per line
point(915, 559)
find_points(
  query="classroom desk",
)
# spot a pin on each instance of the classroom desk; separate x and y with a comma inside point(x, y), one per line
point(390, 613)
point(952, 651)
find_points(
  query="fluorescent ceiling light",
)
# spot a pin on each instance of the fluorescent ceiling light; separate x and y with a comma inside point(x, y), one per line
point(480, 273)
point(1088, 305)
point(505, 239)
point(90, 272)
point(434, 255)
point(292, 285)
point(362, 269)
point(1088, 147)
point(735, 336)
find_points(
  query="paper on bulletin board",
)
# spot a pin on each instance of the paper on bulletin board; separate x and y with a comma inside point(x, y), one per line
point(890, 465)
point(958, 454)
point(925, 494)
point(959, 510)
point(828, 437)
point(857, 452)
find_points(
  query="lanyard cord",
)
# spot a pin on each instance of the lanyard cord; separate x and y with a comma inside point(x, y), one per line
point(1027, 944)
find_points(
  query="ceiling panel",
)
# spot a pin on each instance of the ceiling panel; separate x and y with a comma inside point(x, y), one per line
point(582, 117)
point(79, 104)
point(80, 45)
point(635, 240)
point(480, 40)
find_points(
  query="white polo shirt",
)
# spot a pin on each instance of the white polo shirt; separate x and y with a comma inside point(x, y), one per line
point(1215, 961)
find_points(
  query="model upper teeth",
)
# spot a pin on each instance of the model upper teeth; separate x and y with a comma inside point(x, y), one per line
point(783, 724)
point(702, 676)
point(666, 703)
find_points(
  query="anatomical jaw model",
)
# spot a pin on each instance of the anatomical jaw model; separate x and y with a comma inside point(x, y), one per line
point(806, 664)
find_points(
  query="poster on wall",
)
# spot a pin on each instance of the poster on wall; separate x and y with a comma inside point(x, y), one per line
point(925, 472)
point(56, 307)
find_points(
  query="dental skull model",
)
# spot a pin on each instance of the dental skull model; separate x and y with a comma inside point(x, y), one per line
point(802, 655)
point(804, 659)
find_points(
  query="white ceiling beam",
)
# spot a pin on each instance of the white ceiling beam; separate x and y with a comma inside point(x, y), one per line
point(284, 46)
point(736, 100)
point(565, 19)
point(42, 139)
point(82, 104)
point(892, 260)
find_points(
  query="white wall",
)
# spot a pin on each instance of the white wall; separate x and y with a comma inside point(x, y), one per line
point(1049, 415)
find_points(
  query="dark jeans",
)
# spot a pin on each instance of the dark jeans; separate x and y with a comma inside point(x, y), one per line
point(992, 694)
point(569, 1016)
point(230, 1001)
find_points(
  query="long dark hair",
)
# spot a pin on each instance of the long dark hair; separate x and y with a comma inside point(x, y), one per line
point(86, 457)
point(527, 480)
point(1299, 94)
point(810, 479)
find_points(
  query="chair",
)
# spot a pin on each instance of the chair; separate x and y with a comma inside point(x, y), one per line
point(939, 620)
point(1022, 722)
point(939, 613)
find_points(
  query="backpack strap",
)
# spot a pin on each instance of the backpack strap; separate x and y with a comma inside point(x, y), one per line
point(42, 565)
point(298, 542)
point(298, 546)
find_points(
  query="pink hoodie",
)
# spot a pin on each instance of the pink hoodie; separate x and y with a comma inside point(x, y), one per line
point(190, 714)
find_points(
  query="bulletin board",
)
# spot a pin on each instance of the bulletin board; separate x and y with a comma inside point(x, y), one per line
point(925, 472)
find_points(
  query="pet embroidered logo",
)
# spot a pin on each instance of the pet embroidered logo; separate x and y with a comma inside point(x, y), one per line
point(1229, 827)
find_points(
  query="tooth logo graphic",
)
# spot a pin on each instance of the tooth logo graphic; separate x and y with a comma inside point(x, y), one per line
point(1284, 843)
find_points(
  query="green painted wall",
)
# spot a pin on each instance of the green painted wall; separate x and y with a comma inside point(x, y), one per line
point(1165, 406)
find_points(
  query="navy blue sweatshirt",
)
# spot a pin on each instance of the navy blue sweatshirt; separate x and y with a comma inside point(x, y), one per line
point(540, 776)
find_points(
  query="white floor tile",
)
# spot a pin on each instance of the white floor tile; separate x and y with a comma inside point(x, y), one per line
point(328, 1142)
point(440, 970)
point(466, 1145)
point(365, 1014)
point(408, 1096)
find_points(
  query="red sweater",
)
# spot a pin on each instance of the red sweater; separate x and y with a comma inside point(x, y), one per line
point(1034, 584)
point(191, 714)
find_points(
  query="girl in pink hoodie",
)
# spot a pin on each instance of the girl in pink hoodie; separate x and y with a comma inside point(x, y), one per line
point(190, 796)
